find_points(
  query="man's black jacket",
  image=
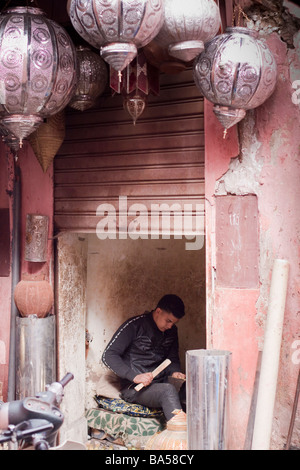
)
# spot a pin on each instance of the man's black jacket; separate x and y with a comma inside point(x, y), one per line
point(138, 346)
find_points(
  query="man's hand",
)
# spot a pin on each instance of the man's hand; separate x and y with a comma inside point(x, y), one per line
point(178, 375)
point(144, 379)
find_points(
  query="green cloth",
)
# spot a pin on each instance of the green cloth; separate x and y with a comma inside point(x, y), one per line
point(134, 431)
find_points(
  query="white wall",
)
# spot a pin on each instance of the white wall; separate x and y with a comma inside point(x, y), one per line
point(127, 277)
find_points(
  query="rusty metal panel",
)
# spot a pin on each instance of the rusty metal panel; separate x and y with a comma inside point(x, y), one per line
point(4, 243)
point(159, 160)
point(237, 250)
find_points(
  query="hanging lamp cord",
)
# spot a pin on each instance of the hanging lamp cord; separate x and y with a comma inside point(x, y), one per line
point(5, 6)
point(238, 13)
point(29, 3)
point(33, 3)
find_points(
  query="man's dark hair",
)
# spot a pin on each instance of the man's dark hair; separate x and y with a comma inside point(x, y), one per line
point(172, 304)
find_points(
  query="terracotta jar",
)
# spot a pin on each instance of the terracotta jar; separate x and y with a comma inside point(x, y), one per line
point(174, 437)
point(34, 297)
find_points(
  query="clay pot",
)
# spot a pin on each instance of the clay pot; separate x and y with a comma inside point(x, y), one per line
point(174, 437)
point(34, 297)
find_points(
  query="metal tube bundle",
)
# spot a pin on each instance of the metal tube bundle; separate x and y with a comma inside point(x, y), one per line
point(208, 399)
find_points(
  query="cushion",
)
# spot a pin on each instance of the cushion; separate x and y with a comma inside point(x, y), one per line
point(117, 405)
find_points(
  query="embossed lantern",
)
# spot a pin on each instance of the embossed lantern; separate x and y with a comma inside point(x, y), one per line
point(236, 72)
point(92, 79)
point(188, 24)
point(37, 69)
point(117, 27)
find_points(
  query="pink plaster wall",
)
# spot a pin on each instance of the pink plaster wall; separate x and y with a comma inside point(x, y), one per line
point(37, 198)
point(236, 317)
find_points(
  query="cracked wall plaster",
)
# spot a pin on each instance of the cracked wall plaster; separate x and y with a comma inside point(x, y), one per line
point(243, 173)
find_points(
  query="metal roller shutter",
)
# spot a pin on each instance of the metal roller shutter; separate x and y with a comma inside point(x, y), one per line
point(160, 160)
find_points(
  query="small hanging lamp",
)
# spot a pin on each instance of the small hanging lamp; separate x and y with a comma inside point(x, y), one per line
point(188, 24)
point(117, 27)
point(38, 69)
point(135, 104)
point(236, 72)
point(138, 80)
point(92, 79)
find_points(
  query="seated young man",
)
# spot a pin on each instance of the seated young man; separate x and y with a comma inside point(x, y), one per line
point(140, 345)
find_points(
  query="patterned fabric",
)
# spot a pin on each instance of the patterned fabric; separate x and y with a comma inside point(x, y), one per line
point(117, 405)
point(134, 431)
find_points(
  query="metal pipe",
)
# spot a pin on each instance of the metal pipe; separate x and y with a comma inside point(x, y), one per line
point(270, 357)
point(208, 399)
point(36, 354)
point(15, 278)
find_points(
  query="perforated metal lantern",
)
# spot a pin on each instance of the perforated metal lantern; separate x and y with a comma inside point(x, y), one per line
point(135, 104)
point(92, 79)
point(236, 72)
point(117, 27)
point(188, 24)
point(37, 69)
point(138, 80)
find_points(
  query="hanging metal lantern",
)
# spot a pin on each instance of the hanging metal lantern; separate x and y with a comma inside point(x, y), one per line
point(37, 69)
point(138, 80)
point(188, 24)
point(117, 27)
point(236, 72)
point(92, 79)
